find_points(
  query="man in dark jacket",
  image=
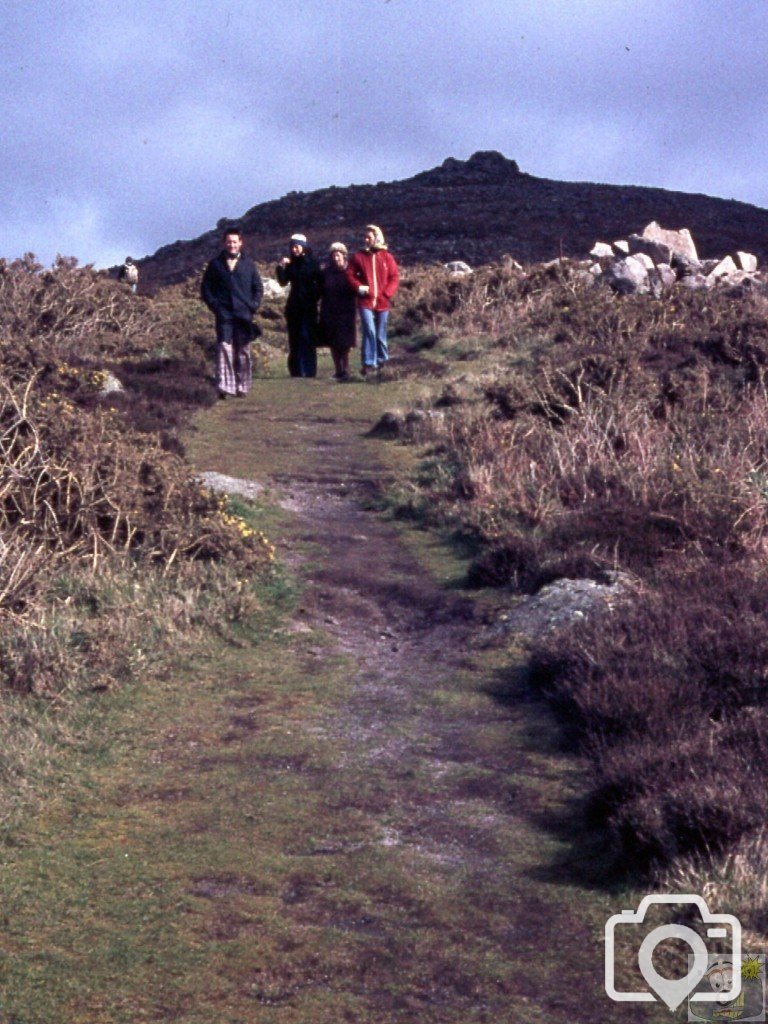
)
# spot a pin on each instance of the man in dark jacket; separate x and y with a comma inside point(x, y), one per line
point(231, 288)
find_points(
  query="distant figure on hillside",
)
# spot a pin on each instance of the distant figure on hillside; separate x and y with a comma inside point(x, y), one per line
point(301, 271)
point(129, 274)
point(231, 288)
point(374, 273)
point(338, 310)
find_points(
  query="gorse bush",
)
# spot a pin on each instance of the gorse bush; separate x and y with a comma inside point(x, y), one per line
point(74, 473)
point(68, 311)
point(112, 557)
point(72, 326)
point(84, 495)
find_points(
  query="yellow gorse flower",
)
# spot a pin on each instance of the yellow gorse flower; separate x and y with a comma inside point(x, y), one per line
point(256, 537)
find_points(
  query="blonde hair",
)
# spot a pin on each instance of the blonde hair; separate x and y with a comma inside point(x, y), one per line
point(378, 236)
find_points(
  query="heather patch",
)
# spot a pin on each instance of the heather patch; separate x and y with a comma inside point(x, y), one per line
point(600, 433)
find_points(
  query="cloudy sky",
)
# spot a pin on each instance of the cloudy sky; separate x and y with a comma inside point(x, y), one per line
point(129, 125)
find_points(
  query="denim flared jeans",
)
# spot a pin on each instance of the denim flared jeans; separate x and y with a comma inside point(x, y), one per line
point(374, 348)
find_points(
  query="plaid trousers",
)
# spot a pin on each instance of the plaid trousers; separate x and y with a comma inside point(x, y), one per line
point(234, 368)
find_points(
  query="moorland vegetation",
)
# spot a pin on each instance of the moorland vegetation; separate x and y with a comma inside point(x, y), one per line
point(589, 434)
point(112, 554)
point(565, 431)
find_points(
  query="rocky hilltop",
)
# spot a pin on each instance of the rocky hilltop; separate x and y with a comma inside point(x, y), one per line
point(474, 210)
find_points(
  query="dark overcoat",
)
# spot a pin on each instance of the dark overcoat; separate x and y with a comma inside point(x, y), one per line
point(338, 309)
point(232, 293)
point(303, 275)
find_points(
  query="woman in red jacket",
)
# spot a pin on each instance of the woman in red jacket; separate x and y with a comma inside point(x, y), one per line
point(374, 273)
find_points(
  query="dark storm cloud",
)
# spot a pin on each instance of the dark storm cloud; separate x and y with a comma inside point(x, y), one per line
point(129, 127)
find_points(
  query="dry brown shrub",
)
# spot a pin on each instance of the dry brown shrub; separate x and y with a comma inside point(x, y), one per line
point(68, 311)
point(82, 486)
point(72, 324)
point(624, 419)
point(737, 879)
point(75, 481)
point(110, 552)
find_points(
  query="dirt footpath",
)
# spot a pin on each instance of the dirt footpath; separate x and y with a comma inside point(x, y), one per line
point(464, 793)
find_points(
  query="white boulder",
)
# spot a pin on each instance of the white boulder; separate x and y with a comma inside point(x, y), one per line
point(601, 250)
point(458, 267)
point(657, 252)
point(645, 259)
point(747, 261)
point(628, 276)
point(694, 282)
point(272, 289)
point(678, 241)
point(725, 268)
point(667, 276)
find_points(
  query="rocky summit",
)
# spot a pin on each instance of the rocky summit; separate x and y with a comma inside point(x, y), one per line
point(475, 210)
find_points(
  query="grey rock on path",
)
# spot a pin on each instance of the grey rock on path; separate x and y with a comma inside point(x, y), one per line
point(222, 484)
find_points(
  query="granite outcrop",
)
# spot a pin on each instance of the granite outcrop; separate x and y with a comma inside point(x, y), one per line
point(475, 211)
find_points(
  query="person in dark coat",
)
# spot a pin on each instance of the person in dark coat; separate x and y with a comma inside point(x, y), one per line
point(301, 271)
point(338, 310)
point(232, 289)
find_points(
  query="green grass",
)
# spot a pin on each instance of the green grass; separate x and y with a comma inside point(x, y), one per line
point(183, 890)
point(190, 881)
point(213, 852)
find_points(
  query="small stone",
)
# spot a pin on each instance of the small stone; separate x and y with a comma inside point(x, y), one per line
point(645, 259)
point(110, 385)
point(747, 261)
point(222, 484)
point(272, 289)
point(601, 250)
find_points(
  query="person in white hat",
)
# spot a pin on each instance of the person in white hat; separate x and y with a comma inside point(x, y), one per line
point(301, 271)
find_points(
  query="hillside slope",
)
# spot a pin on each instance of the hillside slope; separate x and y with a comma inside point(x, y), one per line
point(476, 210)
